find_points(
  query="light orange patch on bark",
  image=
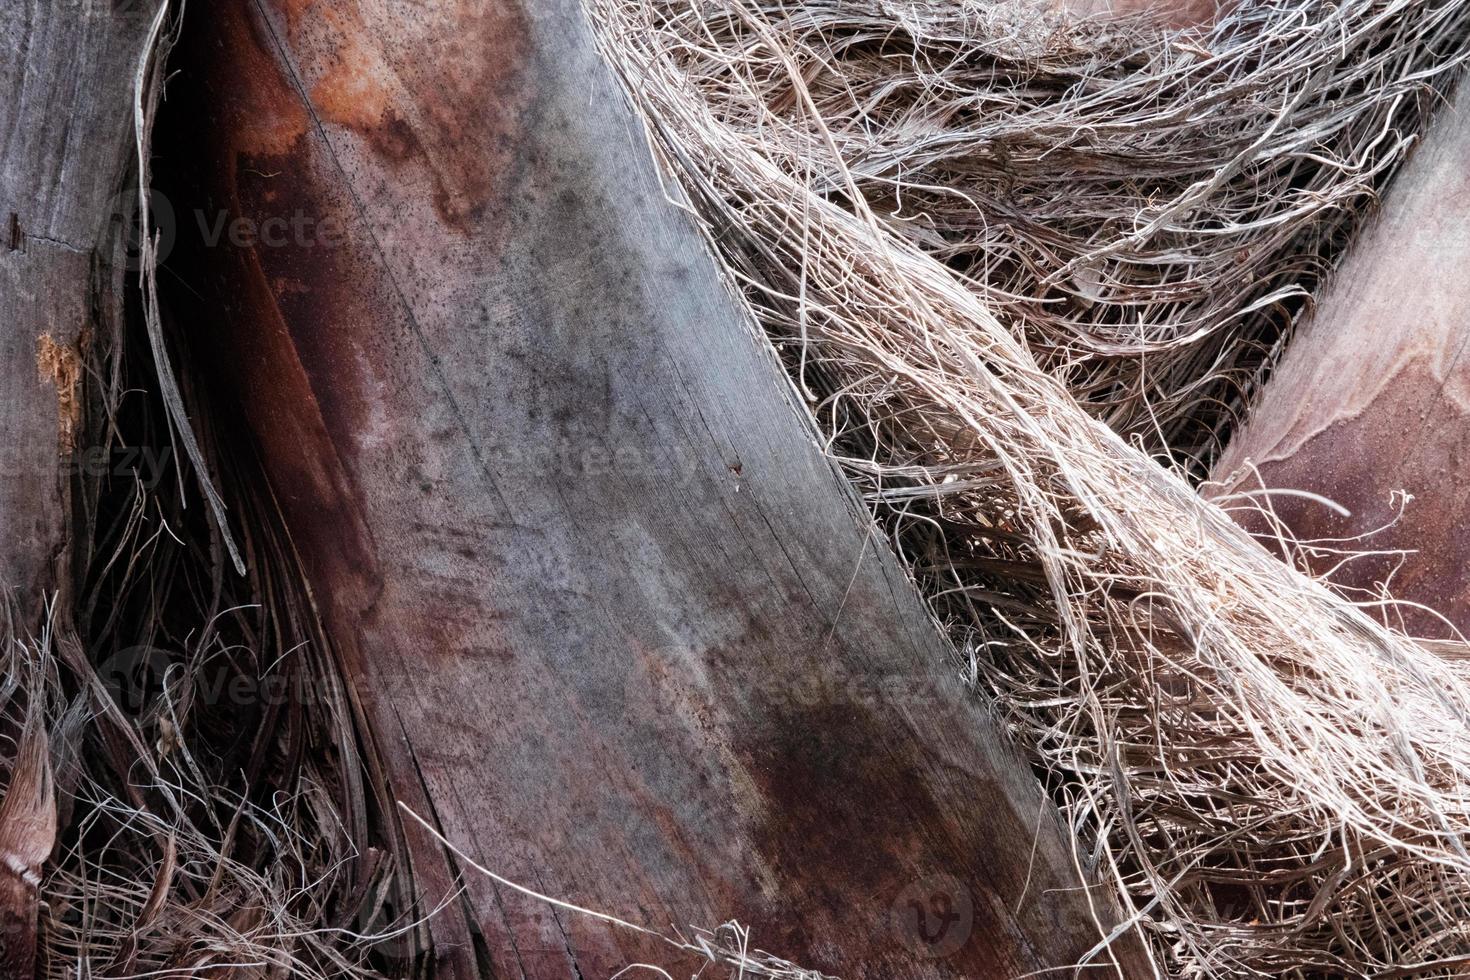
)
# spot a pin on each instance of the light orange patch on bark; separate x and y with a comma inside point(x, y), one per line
point(61, 364)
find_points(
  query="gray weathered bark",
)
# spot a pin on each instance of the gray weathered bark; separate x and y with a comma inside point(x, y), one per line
point(66, 69)
point(616, 626)
point(65, 146)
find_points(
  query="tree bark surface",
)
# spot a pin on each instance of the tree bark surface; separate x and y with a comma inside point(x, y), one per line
point(66, 69)
point(1373, 397)
point(1175, 13)
point(65, 144)
point(617, 627)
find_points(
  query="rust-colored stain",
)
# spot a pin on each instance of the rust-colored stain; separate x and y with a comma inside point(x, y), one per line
point(61, 365)
point(423, 117)
point(404, 137)
point(356, 90)
point(264, 114)
point(284, 352)
point(416, 135)
point(295, 9)
point(443, 92)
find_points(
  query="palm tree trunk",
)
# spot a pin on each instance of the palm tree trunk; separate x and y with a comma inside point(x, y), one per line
point(1372, 401)
point(614, 624)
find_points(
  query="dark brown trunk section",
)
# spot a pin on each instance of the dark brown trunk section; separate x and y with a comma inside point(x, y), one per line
point(614, 623)
point(1373, 397)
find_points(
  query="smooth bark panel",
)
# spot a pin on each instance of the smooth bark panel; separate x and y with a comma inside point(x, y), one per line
point(613, 620)
point(1373, 395)
point(1175, 13)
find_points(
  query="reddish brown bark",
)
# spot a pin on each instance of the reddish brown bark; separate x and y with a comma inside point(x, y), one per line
point(615, 624)
point(1373, 397)
point(1175, 13)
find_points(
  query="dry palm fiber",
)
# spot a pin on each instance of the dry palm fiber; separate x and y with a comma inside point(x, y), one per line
point(1274, 783)
point(1151, 209)
point(205, 766)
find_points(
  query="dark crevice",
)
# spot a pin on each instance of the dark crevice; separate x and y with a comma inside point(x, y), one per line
point(484, 965)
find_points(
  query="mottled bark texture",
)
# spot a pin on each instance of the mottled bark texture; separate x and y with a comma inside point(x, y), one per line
point(615, 624)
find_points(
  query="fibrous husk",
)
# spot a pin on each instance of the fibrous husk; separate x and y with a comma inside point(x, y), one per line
point(1149, 209)
point(976, 237)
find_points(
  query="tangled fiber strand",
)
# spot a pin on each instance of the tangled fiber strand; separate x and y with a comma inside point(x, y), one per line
point(204, 757)
point(161, 869)
point(1276, 785)
point(1152, 209)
